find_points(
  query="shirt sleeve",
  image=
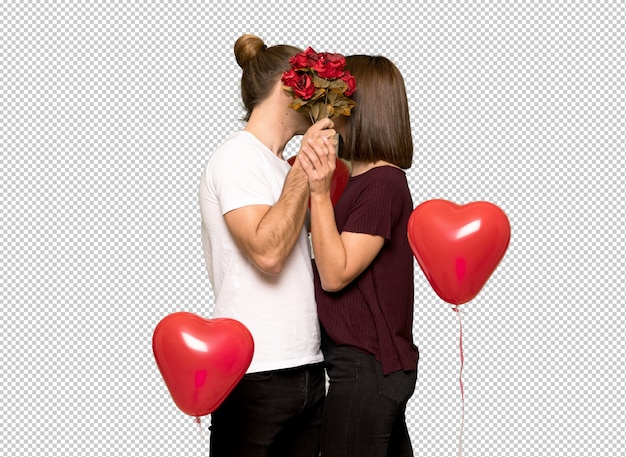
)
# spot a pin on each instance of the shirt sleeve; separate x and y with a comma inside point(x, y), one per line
point(237, 174)
point(375, 211)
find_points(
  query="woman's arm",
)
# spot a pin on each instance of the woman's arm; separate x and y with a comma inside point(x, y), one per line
point(340, 258)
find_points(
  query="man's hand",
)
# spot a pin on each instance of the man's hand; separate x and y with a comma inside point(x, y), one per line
point(268, 234)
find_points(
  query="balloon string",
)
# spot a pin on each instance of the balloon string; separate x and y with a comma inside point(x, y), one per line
point(201, 435)
point(462, 358)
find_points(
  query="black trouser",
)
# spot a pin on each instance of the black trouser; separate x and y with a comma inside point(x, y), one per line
point(271, 414)
point(364, 412)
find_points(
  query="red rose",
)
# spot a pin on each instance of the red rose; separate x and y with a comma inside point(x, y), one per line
point(290, 78)
point(304, 59)
point(329, 66)
point(350, 81)
point(327, 70)
point(301, 83)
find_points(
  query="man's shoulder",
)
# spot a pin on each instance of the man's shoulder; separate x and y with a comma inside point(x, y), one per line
point(238, 149)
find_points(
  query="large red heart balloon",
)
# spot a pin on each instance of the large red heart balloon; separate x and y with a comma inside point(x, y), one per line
point(201, 360)
point(458, 246)
point(339, 180)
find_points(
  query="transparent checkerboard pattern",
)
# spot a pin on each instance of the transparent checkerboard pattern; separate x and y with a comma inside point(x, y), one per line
point(109, 112)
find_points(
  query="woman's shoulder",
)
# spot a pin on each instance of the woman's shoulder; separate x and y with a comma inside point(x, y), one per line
point(387, 175)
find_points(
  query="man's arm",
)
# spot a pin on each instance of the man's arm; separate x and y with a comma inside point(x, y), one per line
point(268, 234)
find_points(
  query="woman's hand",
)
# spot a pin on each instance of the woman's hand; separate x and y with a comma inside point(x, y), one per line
point(318, 159)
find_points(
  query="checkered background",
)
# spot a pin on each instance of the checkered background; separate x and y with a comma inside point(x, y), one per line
point(109, 111)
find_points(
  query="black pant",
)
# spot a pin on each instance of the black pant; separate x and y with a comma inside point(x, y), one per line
point(271, 414)
point(364, 413)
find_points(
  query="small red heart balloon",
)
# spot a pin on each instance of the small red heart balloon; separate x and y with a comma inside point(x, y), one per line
point(458, 246)
point(201, 360)
point(339, 180)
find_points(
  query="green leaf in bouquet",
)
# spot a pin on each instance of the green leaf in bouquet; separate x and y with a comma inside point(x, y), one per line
point(315, 111)
point(320, 82)
point(297, 103)
point(319, 93)
point(344, 105)
point(338, 85)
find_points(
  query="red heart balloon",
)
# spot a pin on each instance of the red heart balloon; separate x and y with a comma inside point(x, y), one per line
point(339, 180)
point(458, 246)
point(201, 360)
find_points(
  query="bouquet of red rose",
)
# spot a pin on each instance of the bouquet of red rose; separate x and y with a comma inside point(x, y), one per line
point(319, 84)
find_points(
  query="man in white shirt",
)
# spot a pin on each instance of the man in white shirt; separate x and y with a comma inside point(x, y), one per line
point(253, 207)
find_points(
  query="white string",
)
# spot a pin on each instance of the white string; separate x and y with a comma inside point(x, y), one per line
point(462, 358)
point(201, 436)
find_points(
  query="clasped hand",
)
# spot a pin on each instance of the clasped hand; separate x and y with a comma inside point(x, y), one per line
point(318, 156)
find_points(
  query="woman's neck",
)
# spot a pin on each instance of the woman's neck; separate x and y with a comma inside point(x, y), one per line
point(358, 168)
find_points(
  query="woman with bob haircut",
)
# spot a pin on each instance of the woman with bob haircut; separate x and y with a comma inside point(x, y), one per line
point(364, 268)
